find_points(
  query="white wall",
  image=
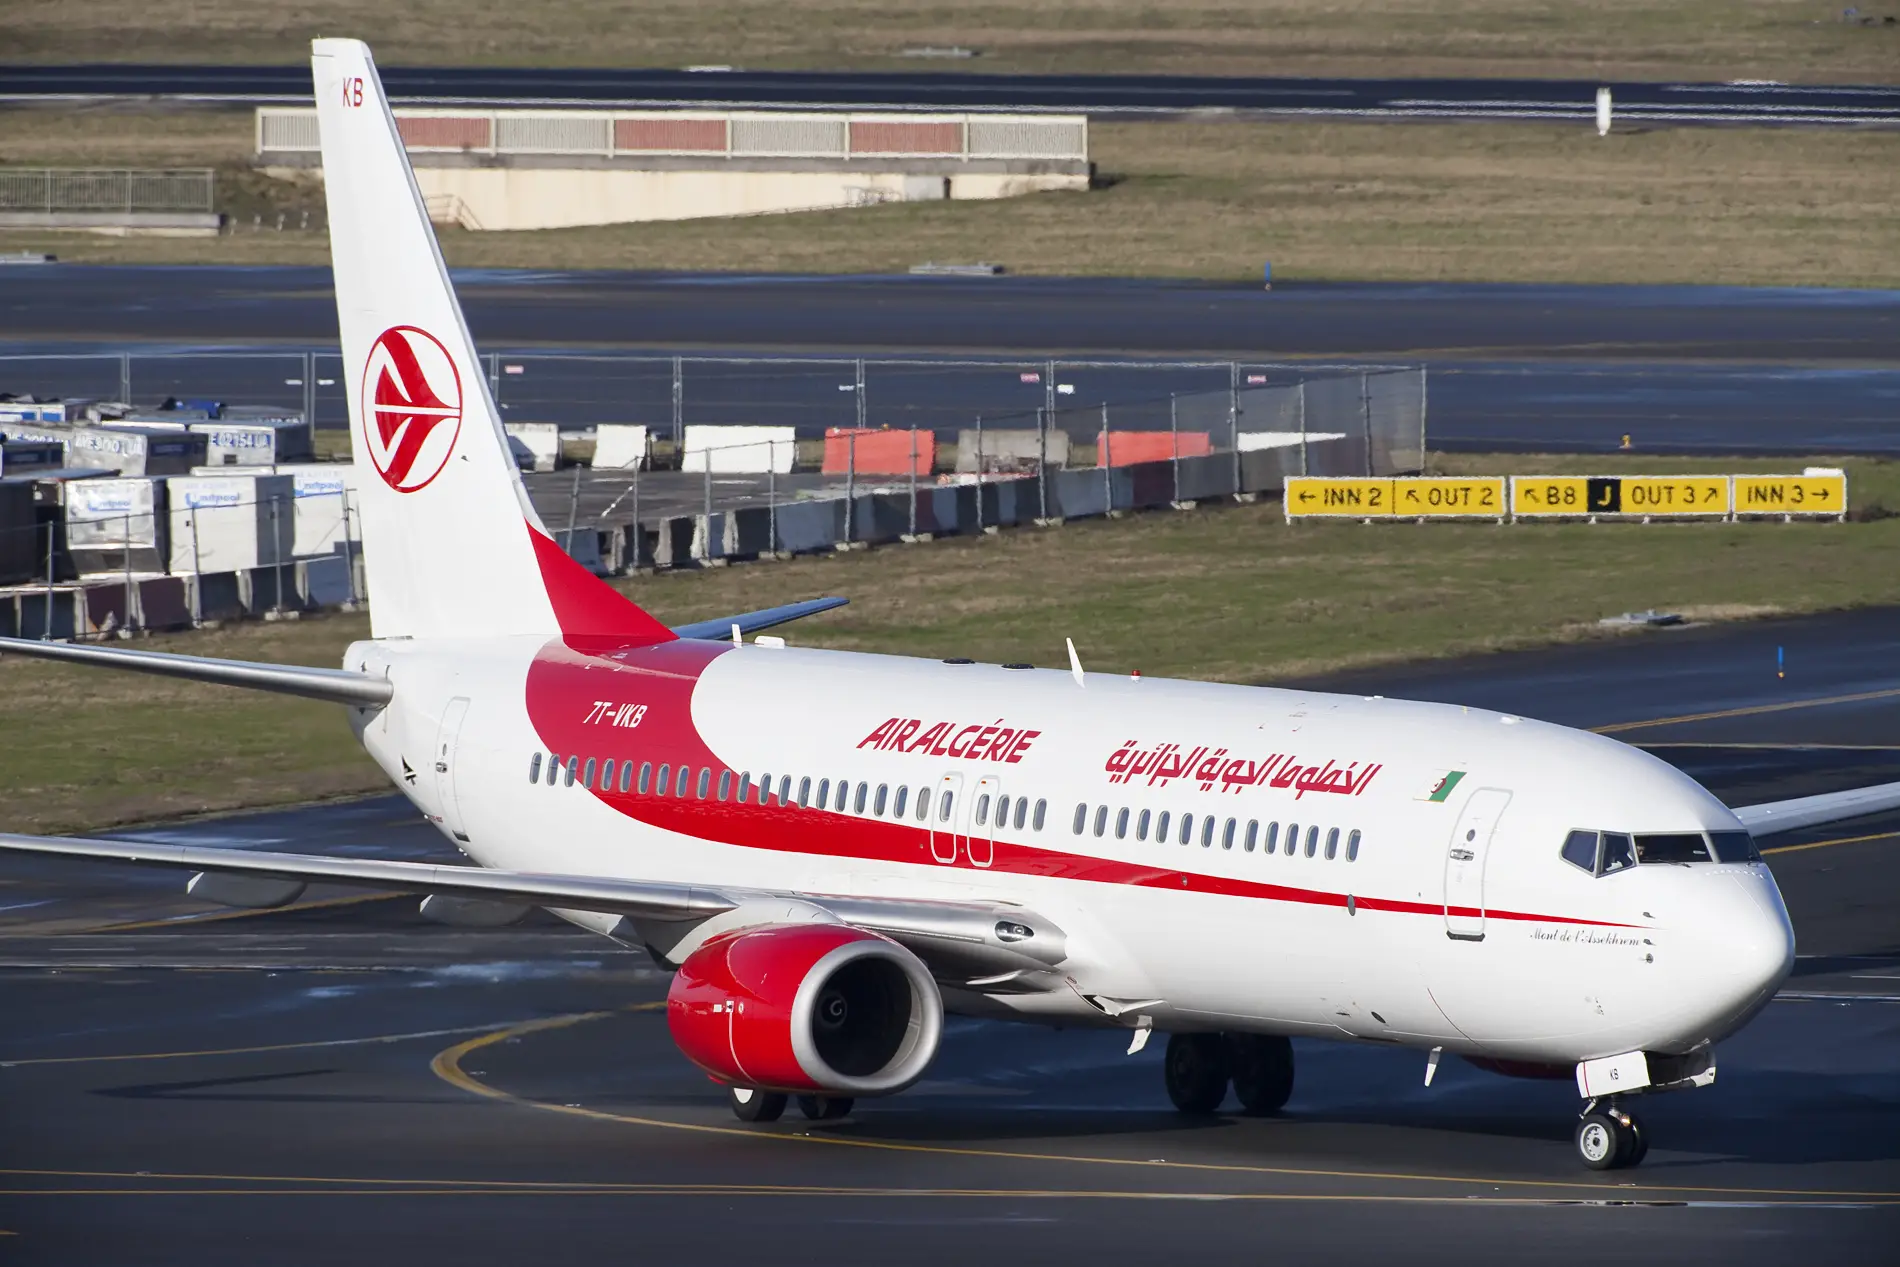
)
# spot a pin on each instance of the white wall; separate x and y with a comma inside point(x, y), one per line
point(739, 449)
point(620, 446)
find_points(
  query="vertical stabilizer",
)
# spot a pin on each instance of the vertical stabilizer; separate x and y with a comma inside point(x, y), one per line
point(452, 545)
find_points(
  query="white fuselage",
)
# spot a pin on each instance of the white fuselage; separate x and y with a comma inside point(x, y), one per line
point(1395, 917)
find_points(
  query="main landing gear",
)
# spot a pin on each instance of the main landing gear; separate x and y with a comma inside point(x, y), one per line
point(1199, 1068)
point(1608, 1138)
point(749, 1104)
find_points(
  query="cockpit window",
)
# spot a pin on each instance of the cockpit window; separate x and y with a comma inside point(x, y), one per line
point(1580, 850)
point(1618, 853)
point(1679, 846)
point(1734, 846)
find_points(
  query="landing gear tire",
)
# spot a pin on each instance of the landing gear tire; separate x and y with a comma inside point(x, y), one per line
point(752, 1105)
point(1262, 1066)
point(824, 1108)
point(1610, 1139)
point(1196, 1070)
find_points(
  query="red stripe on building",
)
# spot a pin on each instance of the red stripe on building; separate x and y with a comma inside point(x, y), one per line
point(699, 136)
point(905, 138)
point(470, 133)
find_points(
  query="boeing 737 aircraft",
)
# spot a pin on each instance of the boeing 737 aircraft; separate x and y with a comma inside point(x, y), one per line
point(833, 850)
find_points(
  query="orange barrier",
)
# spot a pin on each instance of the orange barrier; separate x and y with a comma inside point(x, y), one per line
point(879, 452)
point(1125, 448)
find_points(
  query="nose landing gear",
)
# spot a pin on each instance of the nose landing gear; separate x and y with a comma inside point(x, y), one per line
point(1608, 1138)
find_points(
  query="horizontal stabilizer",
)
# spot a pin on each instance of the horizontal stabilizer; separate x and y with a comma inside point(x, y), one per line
point(1813, 811)
point(764, 618)
point(339, 686)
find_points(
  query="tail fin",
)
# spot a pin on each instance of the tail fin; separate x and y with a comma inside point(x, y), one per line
point(451, 542)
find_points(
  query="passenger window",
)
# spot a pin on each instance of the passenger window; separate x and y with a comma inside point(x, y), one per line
point(883, 795)
point(1352, 846)
point(1041, 806)
point(1312, 841)
point(607, 769)
point(1253, 833)
point(804, 792)
point(903, 795)
point(1161, 828)
point(824, 792)
point(1580, 851)
point(1227, 835)
point(725, 785)
point(785, 789)
point(1680, 846)
point(923, 803)
point(1187, 828)
point(1618, 853)
point(943, 806)
point(1734, 846)
point(1207, 832)
point(1002, 811)
point(983, 810)
point(587, 773)
point(1332, 843)
point(646, 776)
point(534, 768)
point(626, 776)
point(1292, 840)
point(1101, 819)
point(1121, 823)
point(864, 790)
point(704, 789)
point(680, 780)
point(1141, 825)
point(554, 768)
point(1273, 838)
point(573, 766)
point(745, 786)
point(1081, 819)
point(663, 780)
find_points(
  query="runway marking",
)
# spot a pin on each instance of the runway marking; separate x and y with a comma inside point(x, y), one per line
point(1823, 844)
point(213, 917)
point(447, 1066)
point(1752, 710)
point(251, 1051)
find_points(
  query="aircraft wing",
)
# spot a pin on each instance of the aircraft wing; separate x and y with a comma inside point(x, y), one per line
point(1813, 811)
point(764, 618)
point(969, 943)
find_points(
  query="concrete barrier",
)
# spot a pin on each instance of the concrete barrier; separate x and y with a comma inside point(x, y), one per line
point(543, 440)
point(1010, 449)
point(621, 446)
point(870, 451)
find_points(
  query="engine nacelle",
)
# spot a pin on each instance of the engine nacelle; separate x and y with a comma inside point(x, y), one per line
point(806, 1008)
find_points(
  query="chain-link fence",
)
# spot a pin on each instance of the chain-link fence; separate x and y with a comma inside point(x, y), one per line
point(54, 189)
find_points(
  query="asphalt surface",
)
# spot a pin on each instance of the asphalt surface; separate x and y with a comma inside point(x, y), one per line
point(1678, 369)
point(1097, 95)
point(181, 1084)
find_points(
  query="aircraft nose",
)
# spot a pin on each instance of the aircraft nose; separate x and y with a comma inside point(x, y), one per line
point(1752, 945)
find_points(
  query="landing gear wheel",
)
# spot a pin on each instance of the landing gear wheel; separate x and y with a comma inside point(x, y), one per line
point(1262, 1067)
point(1639, 1142)
point(1196, 1071)
point(824, 1108)
point(752, 1105)
point(1599, 1141)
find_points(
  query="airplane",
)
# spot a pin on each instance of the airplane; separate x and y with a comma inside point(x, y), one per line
point(831, 850)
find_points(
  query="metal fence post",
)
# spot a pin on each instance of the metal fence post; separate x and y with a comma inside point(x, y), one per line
point(1042, 462)
point(349, 547)
point(277, 550)
point(1108, 476)
point(1174, 443)
point(1365, 418)
point(639, 537)
point(1303, 456)
point(705, 551)
point(310, 391)
point(52, 532)
point(1233, 418)
point(125, 377)
point(771, 495)
point(494, 377)
point(1421, 418)
point(851, 465)
point(858, 391)
point(127, 580)
point(913, 483)
point(574, 506)
point(679, 400)
point(979, 472)
point(197, 574)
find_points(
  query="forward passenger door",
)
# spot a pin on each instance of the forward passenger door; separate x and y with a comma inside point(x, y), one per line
point(1465, 856)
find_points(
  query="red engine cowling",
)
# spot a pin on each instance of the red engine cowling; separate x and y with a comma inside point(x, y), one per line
point(806, 1008)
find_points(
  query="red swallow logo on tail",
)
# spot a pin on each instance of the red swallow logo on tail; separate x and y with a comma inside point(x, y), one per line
point(412, 396)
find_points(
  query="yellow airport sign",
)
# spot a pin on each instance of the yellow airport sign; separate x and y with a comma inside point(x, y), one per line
point(1813, 494)
point(1314, 496)
point(1669, 495)
point(1449, 498)
point(1541, 496)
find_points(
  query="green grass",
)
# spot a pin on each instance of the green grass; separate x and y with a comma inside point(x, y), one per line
point(1470, 202)
point(1234, 594)
point(1617, 39)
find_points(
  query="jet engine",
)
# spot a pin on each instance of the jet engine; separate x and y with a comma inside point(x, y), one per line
point(806, 1009)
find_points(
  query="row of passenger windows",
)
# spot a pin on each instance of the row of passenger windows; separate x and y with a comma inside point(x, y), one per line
point(1209, 827)
point(1605, 852)
point(843, 796)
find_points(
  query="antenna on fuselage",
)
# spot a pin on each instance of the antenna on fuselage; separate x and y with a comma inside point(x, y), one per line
point(1075, 663)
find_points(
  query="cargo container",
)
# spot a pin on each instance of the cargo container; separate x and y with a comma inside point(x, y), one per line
point(135, 451)
point(21, 557)
point(116, 525)
point(19, 456)
point(229, 523)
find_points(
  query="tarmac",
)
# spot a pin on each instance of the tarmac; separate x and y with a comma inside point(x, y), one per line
point(339, 1079)
point(1530, 368)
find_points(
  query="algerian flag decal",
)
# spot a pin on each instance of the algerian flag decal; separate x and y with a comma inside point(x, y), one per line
point(1442, 785)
